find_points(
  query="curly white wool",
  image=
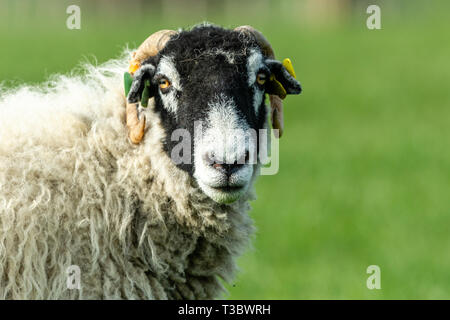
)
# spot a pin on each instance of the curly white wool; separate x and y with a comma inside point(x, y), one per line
point(75, 191)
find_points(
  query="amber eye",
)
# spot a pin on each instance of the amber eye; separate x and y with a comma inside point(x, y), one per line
point(261, 78)
point(164, 83)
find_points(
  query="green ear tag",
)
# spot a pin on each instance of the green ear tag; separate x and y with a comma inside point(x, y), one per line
point(127, 80)
point(145, 94)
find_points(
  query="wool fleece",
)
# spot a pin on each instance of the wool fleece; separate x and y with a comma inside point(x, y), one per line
point(75, 191)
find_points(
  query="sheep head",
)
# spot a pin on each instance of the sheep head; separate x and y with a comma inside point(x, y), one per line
point(209, 86)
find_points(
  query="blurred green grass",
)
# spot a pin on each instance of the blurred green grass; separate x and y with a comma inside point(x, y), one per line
point(365, 160)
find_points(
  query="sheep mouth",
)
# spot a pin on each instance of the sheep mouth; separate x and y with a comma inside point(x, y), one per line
point(228, 189)
point(223, 193)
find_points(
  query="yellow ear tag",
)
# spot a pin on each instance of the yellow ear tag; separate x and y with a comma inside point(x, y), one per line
point(288, 65)
point(275, 87)
point(280, 91)
point(134, 65)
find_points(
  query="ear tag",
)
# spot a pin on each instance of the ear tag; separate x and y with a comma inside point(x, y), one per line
point(134, 65)
point(276, 93)
point(127, 80)
point(289, 67)
point(275, 87)
point(145, 94)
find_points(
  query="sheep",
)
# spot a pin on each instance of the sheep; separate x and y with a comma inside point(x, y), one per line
point(87, 176)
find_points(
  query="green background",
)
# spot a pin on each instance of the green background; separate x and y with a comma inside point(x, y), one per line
point(364, 161)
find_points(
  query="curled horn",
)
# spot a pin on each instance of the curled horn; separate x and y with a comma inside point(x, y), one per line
point(260, 40)
point(150, 47)
point(276, 104)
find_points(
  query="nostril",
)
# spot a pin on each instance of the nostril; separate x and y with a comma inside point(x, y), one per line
point(232, 168)
point(218, 166)
point(228, 169)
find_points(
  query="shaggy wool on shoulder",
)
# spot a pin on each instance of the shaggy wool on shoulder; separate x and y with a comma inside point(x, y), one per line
point(75, 191)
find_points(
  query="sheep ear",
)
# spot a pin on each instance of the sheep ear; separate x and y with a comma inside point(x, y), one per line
point(283, 81)
point(141, 88)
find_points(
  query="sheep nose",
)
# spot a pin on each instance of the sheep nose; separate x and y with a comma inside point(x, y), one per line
point(227, 169)
point(224, 167)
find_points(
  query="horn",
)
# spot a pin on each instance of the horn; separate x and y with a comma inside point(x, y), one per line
point(260, 40)
point(276, 104)
point(149, 48)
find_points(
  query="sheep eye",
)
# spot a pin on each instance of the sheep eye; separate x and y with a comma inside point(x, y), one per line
point(261, 78)
point(164, 83)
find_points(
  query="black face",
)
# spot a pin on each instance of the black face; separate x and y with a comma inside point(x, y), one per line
point(213, 77)
point(203, 80)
